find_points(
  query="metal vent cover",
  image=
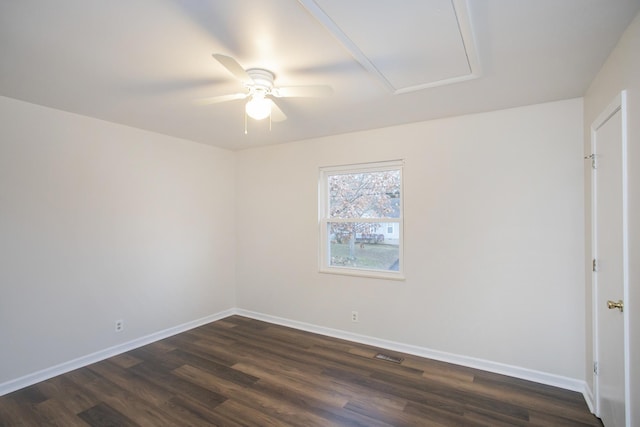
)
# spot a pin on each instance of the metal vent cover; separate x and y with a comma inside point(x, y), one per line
point(388, 358)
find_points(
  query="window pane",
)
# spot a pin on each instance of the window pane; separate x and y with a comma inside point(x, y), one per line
point(365, 195)
point(364, 245)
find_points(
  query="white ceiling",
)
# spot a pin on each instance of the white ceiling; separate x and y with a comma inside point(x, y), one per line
point(143, 63)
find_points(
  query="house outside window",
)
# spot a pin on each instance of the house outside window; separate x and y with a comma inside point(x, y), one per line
point(361, 220)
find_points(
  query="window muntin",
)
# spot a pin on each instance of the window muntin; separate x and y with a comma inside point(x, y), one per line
point(361, 219)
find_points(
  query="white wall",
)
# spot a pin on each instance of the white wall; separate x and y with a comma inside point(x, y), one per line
point(100, 222)
point(621, 71)
point(493, 237)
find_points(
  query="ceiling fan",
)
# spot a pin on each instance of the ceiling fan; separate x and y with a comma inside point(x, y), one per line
point(260, 90)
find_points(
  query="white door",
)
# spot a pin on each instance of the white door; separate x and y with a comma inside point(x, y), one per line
point(611, 261)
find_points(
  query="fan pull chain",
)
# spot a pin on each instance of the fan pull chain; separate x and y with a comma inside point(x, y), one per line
point(246, 120)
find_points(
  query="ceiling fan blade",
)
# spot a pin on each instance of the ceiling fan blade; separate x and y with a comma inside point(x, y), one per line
point(276, 113)
point(232, 65)
point(221, 98)
point(302, 91)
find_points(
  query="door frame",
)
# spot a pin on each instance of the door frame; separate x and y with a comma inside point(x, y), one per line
point(619, 103)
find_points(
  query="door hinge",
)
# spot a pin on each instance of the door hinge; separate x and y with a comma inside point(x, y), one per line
point(595, 368)
point(594, 266)
point(591, 157)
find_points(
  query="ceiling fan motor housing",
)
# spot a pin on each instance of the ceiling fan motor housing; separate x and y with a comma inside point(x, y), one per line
point(262, 79)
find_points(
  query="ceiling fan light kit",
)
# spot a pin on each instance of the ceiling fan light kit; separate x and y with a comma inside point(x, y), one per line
point(258, 107)
point(260, 90)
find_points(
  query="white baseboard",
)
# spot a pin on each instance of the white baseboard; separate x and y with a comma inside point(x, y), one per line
point(45, 374)
point(588, 397)
point(485, 365)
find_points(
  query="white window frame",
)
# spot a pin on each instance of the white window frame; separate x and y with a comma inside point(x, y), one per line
point(324, 220)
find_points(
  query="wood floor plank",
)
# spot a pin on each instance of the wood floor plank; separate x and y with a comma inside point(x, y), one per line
point(244, 372)
point(125, 360)
point(311, 389)
point(219, 370)
point(543, 419)
point(176, 385)
point(16, 413)
point(406, 418)
point(192, 413)
point(140, 387)
point(104, 415)
point(233, 411)
point(30, 395)
point(404, 385)
point(57, 413)
point(433, 417)
point(220, 353)
point(317, 386)
point(129, 405)
point(65, 389)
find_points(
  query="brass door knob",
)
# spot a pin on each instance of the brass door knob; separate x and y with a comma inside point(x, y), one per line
point(612, 305)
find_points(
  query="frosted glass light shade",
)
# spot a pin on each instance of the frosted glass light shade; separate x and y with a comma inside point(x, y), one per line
point(258, 108)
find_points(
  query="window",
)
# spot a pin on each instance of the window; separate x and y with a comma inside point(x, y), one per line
point(361, 219)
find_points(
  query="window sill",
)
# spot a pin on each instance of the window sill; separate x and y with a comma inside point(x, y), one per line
point(364, 273)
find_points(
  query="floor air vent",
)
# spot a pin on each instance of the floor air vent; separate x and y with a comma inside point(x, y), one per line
point(388, 358)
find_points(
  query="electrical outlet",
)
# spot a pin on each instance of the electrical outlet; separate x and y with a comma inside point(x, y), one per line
point(354, 316)
point(119, 325)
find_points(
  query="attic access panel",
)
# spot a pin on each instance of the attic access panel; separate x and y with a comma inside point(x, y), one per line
point(408, 46)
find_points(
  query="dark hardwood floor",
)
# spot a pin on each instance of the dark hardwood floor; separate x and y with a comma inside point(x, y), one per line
point(243, 372)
